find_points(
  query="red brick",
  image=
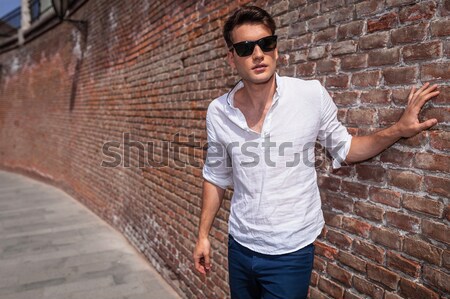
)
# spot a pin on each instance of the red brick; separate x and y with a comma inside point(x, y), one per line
point(435, 230)
point(440, 28)
point(403, 264)
point(340, 240)
point(389, 295)
point(386, 237)
point(319, 264)
point(422, 51)
point(309, 11)
point(343, 47)
point(337, 81)
point(384, 57)
point(352, 261)
point(342, 14)
point(368, 211)
point(418, 12)
point(435, 71)
point(376, 96)
point(416, 141)
point(411, 289)
point(325, 36)
point(369, 7)
point(302, 41)
point(389, 116)
point(442, 114)
point(366, 78)
point(332, 218)
point(339, 274)
point(437, 185)
point(329, 183)
point(325, 250)
point(318, 23)
point(349, 295)
point(400, 75)
point(440, 140)
point(313, 293)
point(369, 251)
point(397, 157)
point(345, 98)
point(354, 189)
point(326, 66)
point(432, 161)
point(368, 288)
point(446, 259)
point(385, 196)
point(337, 201)
point(402, 221)
point(305, 69)
point(405, 180)
point(400, 96)
point(423, 204)
point(328, 5)
point(422, 250)
point(361, 116)
point(374, 40)
point(383, 275)
point(314, 278)
point(409, 34)
point(370, 173)
point(436, 278)
point(398, 2)
point(349, 30)
point(384, 22)
point(353, 61)
point(444, 94)
point(331, 288)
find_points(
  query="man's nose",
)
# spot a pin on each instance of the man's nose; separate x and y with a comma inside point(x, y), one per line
point(257, 52)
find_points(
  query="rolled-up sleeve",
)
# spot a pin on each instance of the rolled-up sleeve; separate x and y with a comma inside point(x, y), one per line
point(217, 169)
point(332, 134)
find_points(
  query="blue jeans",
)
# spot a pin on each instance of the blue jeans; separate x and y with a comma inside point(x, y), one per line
point(253, 275)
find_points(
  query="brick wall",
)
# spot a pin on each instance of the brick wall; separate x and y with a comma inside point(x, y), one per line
point(147, 71)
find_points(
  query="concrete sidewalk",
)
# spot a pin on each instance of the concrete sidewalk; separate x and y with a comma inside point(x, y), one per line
point(52, 247)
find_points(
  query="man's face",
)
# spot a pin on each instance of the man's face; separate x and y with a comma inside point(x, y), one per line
point(258, 67)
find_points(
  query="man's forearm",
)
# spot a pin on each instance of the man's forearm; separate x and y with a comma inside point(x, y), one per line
point(212, 200)
point(365, 147)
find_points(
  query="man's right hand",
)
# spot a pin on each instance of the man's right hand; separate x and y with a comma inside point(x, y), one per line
point(202, 256)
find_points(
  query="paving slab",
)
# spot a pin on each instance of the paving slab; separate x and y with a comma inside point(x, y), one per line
point(51, 246)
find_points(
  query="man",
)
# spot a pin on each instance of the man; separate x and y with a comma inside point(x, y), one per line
point(261, 139)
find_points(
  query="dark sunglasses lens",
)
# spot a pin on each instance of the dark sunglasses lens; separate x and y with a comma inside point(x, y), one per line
point(268, 43)
point(244, 48)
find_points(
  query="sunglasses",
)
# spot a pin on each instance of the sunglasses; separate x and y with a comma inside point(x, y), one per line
point(267, 44)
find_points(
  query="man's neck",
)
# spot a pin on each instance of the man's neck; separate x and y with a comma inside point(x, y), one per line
point(258, 96)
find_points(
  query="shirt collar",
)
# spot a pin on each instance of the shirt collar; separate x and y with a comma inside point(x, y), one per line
point(240, 84)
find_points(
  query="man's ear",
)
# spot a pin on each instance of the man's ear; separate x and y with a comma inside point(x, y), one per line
point(230, 58)
point(276, 54)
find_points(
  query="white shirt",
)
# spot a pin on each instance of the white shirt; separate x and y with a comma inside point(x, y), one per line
point(275, 208)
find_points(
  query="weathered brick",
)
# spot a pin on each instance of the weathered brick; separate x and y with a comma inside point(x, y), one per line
point(422, 250)
point(435, 230)
point(366, 78)
point(325, 36)
point(369, 7)
point(386, 237)
point(440, 140)
point(317, 52)
point(421, 11)
point(356, 226)
point(402, 221)
point(384, 22)
point(349, 30)
point(368, 288)
point(354, 189)
point(361, 116)
point(369, 251)
point(328, 5)
point(370, 173)
point(409, 34)
point(435, 71)
point(332, 218)
point(318, 23)
point(385, 196)
point(368, 211)
point(437, 185)
point(326, 66)
point(305, 69)
point(331, 288)
point(374, 40)
point(339, 274)
point(345, 98)
point(436, 278)
point(376, 96)
point(400, 75)
point(383, 275)
point(411, 289)
point(423, 205)
point(440, 28)
point(340, 240)
point(342, 14)
point(423, 51)
point(344, 47)
point(337, 81)
point(431, 161)
point(309, 11)
point(403, 264)
point(384, 57)
point(352, 261)
point(405, 180)
point(325, 250)
point(353, 61)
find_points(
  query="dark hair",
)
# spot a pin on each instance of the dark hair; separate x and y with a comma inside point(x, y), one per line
point(245, 15)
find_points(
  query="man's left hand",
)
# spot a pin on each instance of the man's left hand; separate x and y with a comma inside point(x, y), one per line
point(409, 124)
